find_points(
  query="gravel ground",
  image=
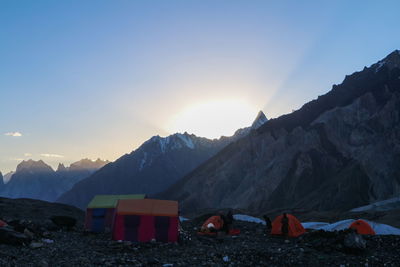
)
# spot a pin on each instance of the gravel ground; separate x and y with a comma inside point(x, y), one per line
point(251, 248)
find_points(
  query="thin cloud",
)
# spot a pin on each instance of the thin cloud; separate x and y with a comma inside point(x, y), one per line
point(17, 159)
point(13, 134)
point(51, 155)
point(27, 154)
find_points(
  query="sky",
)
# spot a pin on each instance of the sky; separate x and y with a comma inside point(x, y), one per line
point(95, 79)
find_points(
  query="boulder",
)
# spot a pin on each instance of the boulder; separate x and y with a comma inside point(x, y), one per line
point(11, 237)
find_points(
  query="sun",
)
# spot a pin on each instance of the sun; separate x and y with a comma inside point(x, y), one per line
point(213, 119)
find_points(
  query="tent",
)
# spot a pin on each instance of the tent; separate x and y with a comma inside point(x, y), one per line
point(295, 227)
point(143, 220)
point(362, 227)
point(100, 211)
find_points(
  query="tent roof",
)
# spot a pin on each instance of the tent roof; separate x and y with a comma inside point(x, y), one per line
point(110, 201)
point(153, 207)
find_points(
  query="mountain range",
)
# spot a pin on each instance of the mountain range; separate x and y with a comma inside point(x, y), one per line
point(36, 179)
point(154, 166)
point(337, 152)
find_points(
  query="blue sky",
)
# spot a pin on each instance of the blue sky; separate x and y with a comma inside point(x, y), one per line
point(97, 78)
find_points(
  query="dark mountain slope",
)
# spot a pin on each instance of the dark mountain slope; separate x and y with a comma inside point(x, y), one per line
point(337, 152)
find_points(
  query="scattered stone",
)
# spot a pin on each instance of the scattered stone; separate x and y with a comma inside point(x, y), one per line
point(355, 241)
point(36, 245)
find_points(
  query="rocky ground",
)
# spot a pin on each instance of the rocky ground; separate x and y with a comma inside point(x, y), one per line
point(52, 241)
point(252, 247)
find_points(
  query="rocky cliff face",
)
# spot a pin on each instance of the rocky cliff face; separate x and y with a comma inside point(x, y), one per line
point(153, 167)
point(337, 152)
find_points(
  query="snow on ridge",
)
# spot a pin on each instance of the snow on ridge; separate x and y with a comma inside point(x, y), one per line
point(175, 141)
point(186, 140)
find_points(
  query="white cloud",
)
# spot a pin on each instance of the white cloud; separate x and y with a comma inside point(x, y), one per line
point(51, 155)
point(13, 134)
point(27, 154)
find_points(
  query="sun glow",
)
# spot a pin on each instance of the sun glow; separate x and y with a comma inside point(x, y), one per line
point(213, 119)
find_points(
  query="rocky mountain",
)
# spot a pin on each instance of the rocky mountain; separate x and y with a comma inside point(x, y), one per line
point(1, 181)
point(153, 167)
point(337, 152)
point(37, 180)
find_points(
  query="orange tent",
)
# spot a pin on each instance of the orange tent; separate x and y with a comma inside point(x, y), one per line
point(295, 227)
point(362, 227)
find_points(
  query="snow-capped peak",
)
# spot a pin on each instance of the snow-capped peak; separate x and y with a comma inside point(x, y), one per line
point(174, 141)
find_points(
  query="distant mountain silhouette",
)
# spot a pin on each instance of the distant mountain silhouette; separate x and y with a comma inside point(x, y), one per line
point(337, 152)
point(36, 179)
point(153, 167)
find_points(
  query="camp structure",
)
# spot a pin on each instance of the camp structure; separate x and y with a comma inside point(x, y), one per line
point(144, 220)
point(100, 211)
point(295, 228)
point(362, 227)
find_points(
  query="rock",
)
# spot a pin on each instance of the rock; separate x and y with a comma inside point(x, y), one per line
point(36, 245)
point(11, 237)
point(225, 258)
point(63, 221)
point(354, 241)
point(29, 233)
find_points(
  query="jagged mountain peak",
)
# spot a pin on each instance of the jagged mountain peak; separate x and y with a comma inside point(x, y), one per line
point(61, 167)
point(34, 166)
point(259, 120)
point(390, 61)
point(173, 141)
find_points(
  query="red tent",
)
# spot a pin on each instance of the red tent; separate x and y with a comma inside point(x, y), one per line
point(142, 220)
point(2, 223)
point(295, 227)
point(362, 227)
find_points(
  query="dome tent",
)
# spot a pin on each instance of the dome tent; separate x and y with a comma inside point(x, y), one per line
point(295, 227)
point(362, 227)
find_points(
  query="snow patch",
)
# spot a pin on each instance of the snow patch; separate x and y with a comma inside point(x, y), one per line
point(182, 219)
point(380, 65)
point(388, 204)
point(143, 162)
point(247, 218)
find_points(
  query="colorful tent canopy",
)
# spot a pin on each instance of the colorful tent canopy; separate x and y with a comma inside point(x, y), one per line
point(100, 211)
point(143, 220)
point(362, 227)
point(295, 228)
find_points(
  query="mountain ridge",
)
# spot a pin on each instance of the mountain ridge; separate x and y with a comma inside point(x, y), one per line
point(151, 168)
point(300, 158)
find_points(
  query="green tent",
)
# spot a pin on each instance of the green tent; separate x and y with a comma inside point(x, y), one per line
point(110, 201)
